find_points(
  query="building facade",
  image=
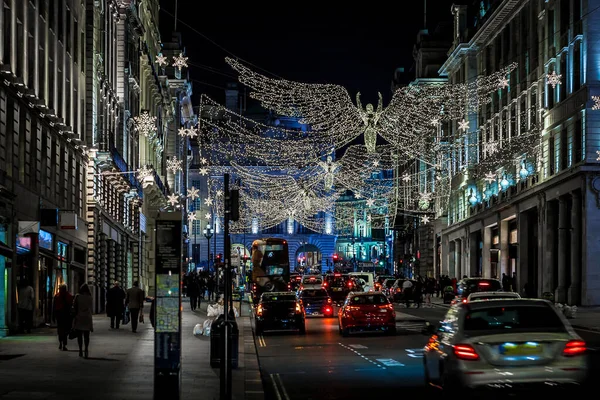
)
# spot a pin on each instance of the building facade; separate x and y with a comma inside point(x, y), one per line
point(525, 198)
point(42, 152)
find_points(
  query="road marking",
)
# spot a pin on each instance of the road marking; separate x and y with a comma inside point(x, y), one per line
point(281, 394)
point(587, 330)
point(415, 353)
point(358, 346)
point(390, 362)
point(261, 341)
point(362, 356)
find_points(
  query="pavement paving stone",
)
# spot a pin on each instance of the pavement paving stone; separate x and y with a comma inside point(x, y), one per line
point(121, 364)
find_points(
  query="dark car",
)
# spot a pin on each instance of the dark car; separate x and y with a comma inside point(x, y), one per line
point(295, 281)
point(472, 285)
point(338, 286)
point(316, 302)
point(279, 311)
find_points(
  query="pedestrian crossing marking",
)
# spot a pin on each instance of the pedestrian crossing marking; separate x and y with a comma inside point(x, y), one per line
point(390, 362)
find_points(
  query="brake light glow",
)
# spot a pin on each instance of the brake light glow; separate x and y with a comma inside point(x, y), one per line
point(324, 284)
point(349, 284)
point(465, 352)
point(259, 310)
point(337, 275)
point(298, 308)
point(464, 300)
point(328, 310)
point(289, 286)
point(574, 348)
point(389, 306)
point(484, 284)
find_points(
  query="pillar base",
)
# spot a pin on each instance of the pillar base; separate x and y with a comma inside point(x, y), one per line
point(4, 332)
point(574, 295)
point(560, 295)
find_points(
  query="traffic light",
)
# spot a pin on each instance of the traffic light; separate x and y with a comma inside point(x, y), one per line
point(234, 205)
point(335, 258)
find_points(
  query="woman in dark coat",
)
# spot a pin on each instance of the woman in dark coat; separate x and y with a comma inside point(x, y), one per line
point(63, 301)
point(83, 321)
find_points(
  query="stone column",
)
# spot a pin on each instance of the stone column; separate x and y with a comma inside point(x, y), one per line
point(485, 253)
point(458, 259)
point(523, 256)
point(503, 235)
point(451, 258)
point(445, 256)
point(473, 259)
point(560, 295)
point(549, 239)
point(574, 292)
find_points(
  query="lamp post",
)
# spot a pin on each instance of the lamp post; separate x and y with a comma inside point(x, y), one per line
point(353, 254)
point(208, 233)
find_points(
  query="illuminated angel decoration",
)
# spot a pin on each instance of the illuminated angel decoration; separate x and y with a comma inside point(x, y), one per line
point(330, 167)
point(370, 118)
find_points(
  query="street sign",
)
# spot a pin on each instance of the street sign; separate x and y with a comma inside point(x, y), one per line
point(167, 307)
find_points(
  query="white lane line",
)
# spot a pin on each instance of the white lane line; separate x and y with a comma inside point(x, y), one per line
point(261, 341)
point(285, 394)
point(358, 346)
point(362, 356)
point(587, 330)
point(275, 388)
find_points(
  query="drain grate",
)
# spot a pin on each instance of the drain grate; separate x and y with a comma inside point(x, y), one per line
point(6, 357)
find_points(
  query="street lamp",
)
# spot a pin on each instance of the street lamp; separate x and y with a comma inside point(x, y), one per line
point(353, 253)
point(208, 233)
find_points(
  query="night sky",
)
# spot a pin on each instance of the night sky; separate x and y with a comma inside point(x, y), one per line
point(359, 48)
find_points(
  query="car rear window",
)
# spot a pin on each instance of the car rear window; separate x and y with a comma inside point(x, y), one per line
point(493, 297)
point(513, 318)
point(336, 281)
point(278, 297)
point(369, 299)
point(363, 277)
point(389, 283)
point(314, 293)
point(482, 285)
point(313, 280)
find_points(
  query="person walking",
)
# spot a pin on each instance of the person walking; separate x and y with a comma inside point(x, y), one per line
point(83, 322)
point(63, 302)
point(25, 305)
point(135, 302)
point(192, 293)
point(115, 305)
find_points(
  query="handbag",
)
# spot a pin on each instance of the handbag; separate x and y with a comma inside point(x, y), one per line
point(126, 316)
point(73, 334)
point(141, 318)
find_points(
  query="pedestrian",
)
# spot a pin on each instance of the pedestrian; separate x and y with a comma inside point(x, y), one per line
point(192, 293)
point(83, 322)
point(115, 305)
point(63, 303)
point(25, 306)
point(210, 287)
point(152, 312)
point(135, 302)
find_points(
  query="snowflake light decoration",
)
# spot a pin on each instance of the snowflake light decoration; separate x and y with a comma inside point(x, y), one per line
point(203, 171)
point(174, 165)
point(146, 124)
point(161, 60)
point(192, 217)
point(425, 219)
point(598, 152)
point(406, 177)
point(554, 79)
point(144, 172)
point(463, 125)
point(192, 133)
point(490, 177)
point(596, 105)
point(502, 83)
point(183, 132)
point(208, 201)
point(193, 193)
point(491, 148)
point(203, 161)
point(208, 216)
point(425, 196)
point(370, 202)
point(180, 61)
point(357, 196)
point(173, 199)
point(435, 121)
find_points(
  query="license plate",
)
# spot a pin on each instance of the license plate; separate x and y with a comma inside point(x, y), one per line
point(526, 349)
point(337, 289)
point(315, 313)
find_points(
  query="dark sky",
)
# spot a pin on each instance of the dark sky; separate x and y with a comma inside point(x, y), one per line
point(357, 47)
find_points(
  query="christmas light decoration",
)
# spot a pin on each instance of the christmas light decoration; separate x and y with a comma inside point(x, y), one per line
point(596, 105)
point(173, 199)
point(191, 217)
point(502, 83)
point(425, 219)
point(144, 172)
point(193, 193)
point(174, 165)
point(208, 216)
point(146, 124)
point(554, 79)
point(180, 61)
point(598, 153)
point(161, 60)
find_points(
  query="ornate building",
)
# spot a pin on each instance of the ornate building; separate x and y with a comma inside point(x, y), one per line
point(525, 198)
point(43, 122)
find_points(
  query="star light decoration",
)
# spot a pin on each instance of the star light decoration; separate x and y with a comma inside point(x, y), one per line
point(180, 61)
point(161, 60)
point(554, 79)
point(203, 171)
point(193, 193)
point(425, 219)
point(490, 177)
point(463, 125)
point(596, 105)
point(173, 199)
point(174, 164)
point(203, 161)
point(146, 124)
point(370, 202)
point(598, 153)
point(208, 216)
point(187, 132)
point(502, 83)
point(192, 217)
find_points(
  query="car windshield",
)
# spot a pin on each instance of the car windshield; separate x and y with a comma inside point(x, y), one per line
point(336, 281)
point(313, 280)
point(368, 299)
point(314, 293)
point(513, 318)
point(278, 297)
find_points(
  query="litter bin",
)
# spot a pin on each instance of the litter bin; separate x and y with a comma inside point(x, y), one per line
point(217, 329)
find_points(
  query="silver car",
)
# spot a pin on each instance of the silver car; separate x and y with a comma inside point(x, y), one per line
point(504, 344)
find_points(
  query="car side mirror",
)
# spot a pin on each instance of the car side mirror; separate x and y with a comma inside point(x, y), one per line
point(428, 329)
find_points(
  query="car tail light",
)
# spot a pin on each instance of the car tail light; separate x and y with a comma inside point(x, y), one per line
point(349, 284)
point(388, 306)
point(259, 310)
point(464, 300)
point(574, 348)
point(298, 308)
point(398, 290)
point(289, 286)
point(328, 310)
point(324, 284)
point(254, 286)
point(465, 352)
point(329, 300)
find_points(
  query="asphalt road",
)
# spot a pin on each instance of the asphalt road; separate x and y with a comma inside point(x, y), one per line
point(324, 365)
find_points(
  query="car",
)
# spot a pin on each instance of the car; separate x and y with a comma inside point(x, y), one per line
point(467, 286)
point(379, 280)
point(295, 281)
point(279, 311)
point(369, 282)
point(503, 344)
point(338, 286)
point(367, 311)
point(491, 296)
point(311, 282)
point(386, 288)
point(316, 302)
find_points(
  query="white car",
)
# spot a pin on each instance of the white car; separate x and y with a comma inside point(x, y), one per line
point(504, 344)
point(492, 296)
point(369, 282)
point(311, 282)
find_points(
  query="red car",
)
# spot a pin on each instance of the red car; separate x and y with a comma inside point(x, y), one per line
point(367, 311)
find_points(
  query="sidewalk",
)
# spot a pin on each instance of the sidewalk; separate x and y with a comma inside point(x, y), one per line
point(586, 318)
point(121, 364)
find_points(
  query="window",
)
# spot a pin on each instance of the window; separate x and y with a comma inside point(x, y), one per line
point(68, 29)
point(52, 13)
point(314, 293)
point(577, 140)
point(369, 299)
point(60, 21)
point(514, 319)
point(577, 66)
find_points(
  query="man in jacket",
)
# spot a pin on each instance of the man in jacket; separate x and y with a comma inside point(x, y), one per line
point(135, 301)
point(115, 305)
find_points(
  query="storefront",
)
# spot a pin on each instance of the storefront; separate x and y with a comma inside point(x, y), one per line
point(6, 255)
